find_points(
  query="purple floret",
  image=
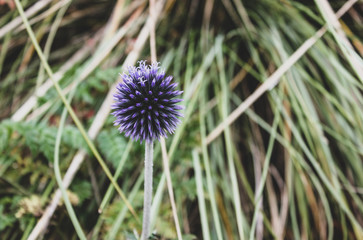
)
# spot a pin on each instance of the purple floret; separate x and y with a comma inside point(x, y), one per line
point(145, 104)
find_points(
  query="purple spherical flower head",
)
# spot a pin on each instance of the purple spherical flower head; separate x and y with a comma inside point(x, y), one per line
point(145, 104)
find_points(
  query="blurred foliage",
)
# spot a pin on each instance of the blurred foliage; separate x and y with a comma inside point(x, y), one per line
point(306, 132)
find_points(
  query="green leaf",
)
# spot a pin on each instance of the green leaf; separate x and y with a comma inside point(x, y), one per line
point(112, 145)
point(83, 189)
point(5, 220)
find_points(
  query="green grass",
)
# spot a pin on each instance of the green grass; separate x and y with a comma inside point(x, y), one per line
point(256, 157)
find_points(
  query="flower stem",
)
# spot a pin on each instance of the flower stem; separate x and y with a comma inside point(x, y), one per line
point(148, 189)
point(58, 177)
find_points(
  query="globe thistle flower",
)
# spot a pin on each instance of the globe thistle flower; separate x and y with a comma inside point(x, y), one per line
point(145, 104)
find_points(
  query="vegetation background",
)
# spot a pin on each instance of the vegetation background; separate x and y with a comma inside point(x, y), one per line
point(271, 145)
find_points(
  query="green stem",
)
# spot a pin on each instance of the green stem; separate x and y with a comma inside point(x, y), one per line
point(58, 177)
point(200, 193)
point(266, 166)
point(210, 184)
point(110, 189)
point(148, 190)
point(49, 42)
